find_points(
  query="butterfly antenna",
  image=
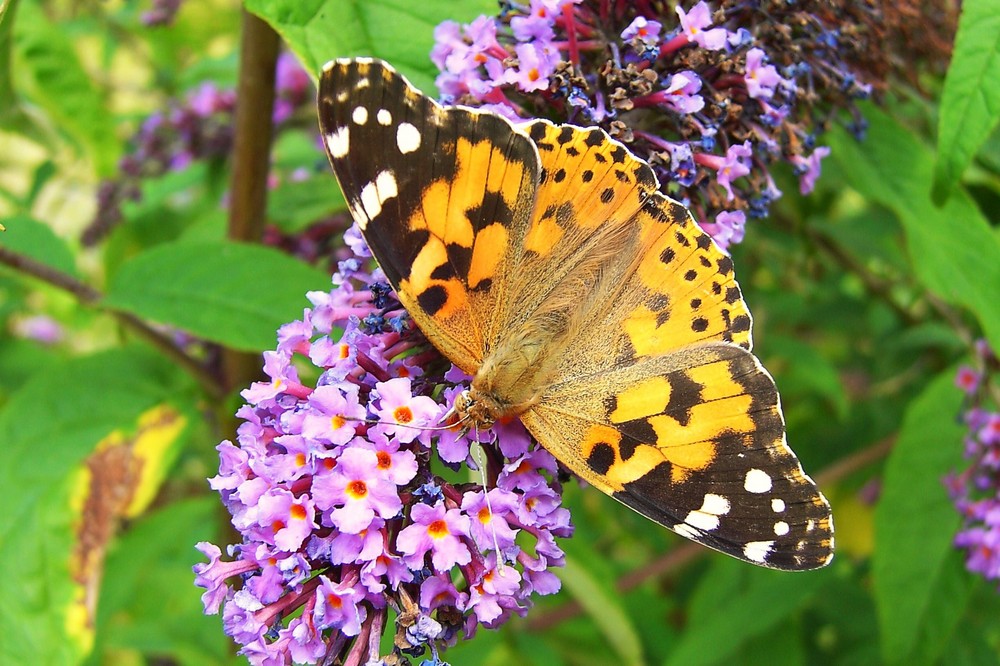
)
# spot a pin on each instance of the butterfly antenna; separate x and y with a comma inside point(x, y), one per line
point(408, 425)
point(481, 460)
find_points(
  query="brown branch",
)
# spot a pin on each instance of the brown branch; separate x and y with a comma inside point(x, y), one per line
point(89, 296)
point(688, 552)
point(251, 160)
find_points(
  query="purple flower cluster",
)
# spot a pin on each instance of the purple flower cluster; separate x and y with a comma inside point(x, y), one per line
point(710, 98)
point(160, 13)
point(343, 520)
point(40, 328)
point(976, 490)
point(197, 129)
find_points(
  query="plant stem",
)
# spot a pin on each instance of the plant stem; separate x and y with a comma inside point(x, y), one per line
point(251, 160)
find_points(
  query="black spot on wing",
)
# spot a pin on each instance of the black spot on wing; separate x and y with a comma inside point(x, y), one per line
point(685, 393)
point(601, 458)
point(638, 430)
point(432, 299)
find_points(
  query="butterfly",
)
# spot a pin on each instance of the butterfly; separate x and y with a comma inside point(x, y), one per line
point(542, 260)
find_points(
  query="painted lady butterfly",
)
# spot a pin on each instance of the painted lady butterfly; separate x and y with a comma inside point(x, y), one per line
point(542, 260)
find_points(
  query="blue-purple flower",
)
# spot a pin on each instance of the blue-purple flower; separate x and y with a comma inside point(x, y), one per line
point(682, 88)
point(343, 520)
point(198, 127)
point(976, 489)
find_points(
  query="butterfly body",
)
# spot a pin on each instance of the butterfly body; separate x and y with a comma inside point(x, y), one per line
point(542, 260)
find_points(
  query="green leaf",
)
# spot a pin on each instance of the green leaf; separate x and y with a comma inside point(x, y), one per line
point(400, 31)
point(604, 608)
point(915, 521)
point(946, 609)
point(47, 428)
point(952, 249)
point(736, 603)
point(237, 295)
point(59, 84)
point(33, 239)
point(295, 206)
point(810, 371)
point(149, 603)
point(970, 103)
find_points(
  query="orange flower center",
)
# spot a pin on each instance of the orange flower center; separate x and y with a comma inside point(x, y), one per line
point(298, 512)
point(438, 529)
point(357, 489)
point(403, 414)
point(384, 460)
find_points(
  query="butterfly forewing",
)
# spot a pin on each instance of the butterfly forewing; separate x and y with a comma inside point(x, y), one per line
point(541, 259)
point(438, 194)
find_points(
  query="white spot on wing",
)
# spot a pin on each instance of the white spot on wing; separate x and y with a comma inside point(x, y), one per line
point(407, 138)
point(338, 142)
point(757, 481)
point(781, 528)
point(386, 183)
point(360, 115)
point(703, 521)
point(686, 530)
point(777, 505)
point(383, 117)
point(376, 193)
point(707, 517)
point(757, 551)
point(716, 504)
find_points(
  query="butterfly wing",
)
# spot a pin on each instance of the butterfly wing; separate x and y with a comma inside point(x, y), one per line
point(438, 194)
point(541, 259)
point(657, 399)
point(695, 441)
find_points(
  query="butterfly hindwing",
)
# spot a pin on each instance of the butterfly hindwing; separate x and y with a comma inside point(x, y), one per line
point(694, 440)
